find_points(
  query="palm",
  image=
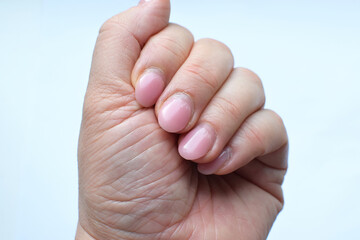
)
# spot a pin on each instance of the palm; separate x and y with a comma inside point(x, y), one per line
point(137, 181)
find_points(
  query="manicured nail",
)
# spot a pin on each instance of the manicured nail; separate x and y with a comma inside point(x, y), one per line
point(175, 113)
point(197, 142)
point(212, 167)
point(149, 87)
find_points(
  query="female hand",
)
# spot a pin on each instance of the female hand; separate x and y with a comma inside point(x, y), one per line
point(206, 162)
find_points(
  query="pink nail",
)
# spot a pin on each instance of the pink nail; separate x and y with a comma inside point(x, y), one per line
point(175, 113)
point(212, 167)
point(149, 87)
point(197, 142)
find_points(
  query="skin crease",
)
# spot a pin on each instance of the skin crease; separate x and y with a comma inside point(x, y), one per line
point(133, 184)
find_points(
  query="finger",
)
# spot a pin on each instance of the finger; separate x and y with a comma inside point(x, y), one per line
point(159, 60)
point(194, 84)
point(241, 95)
point(119, 44)
point(268, 171)
point(261, 134)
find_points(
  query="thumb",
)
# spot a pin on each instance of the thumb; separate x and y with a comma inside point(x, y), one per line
point(119, 44)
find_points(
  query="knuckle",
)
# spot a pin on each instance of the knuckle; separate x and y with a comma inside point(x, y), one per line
point(109, 24)
point(228, 108)
point(262, 99)
point(183, 31)
point(254, 79)
point(278, 121)
point(171, 45)
point(254, 135)
point(115, 24)
point(202, 74)
point(175, 40)
point(216, 45)
point(250, 75)
point(275, 116)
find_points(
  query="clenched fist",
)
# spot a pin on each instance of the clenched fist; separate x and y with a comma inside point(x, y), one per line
point(175, 142)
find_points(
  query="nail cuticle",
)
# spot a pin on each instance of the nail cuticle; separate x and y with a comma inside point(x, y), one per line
point(150, 70)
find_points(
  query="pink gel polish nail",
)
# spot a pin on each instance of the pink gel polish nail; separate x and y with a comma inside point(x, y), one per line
point(149, 87)
point(197, 142)
point(175, 113)
point(212, 167)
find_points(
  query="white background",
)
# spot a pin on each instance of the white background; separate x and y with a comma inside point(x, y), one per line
point(306, 52)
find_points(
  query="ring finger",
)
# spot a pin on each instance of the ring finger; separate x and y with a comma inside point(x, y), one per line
point(240, 96)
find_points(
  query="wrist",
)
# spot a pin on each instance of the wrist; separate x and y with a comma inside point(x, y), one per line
point(81, 234)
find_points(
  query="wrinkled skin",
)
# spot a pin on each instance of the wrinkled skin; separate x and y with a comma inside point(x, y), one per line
point(133, 180)
point(133, 184)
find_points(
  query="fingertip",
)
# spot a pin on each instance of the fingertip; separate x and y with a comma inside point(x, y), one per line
point(155, 15)
point(142, 21)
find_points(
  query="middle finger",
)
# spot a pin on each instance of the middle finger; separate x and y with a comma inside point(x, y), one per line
point(195, 83)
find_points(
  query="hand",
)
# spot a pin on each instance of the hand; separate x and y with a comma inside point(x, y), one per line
point(207, 162)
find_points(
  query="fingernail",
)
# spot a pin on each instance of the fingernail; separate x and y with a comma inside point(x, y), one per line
point(212, 167)
point(197, 142)
point(175, 113)
point(149, 87)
